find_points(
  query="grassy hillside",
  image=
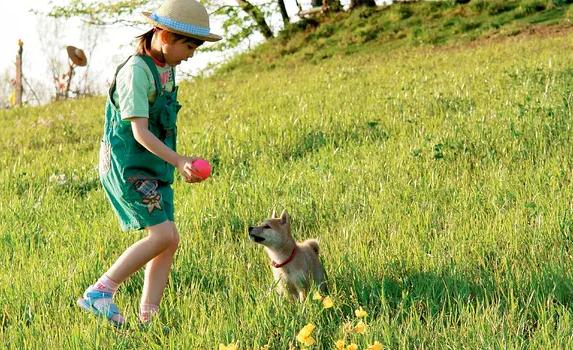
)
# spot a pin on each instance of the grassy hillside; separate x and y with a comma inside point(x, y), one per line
point(426, 23)
point(437, 179)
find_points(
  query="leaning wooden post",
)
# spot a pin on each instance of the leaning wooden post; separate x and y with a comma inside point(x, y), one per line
point(70, 75)
point(78, 58)
point(19, 90)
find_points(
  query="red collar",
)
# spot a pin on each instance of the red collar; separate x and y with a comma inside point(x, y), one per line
point(157, 62)
point(275, 265)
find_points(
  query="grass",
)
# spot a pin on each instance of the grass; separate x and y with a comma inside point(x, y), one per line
point(435, 23)
point(437, 179)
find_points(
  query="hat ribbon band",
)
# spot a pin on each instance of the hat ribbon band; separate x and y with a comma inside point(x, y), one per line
point(180, 26)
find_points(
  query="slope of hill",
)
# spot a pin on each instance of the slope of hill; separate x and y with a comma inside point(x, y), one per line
point(426, 23)
point(437, 179)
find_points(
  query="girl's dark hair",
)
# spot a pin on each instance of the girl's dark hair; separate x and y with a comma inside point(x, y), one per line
point(144, 40)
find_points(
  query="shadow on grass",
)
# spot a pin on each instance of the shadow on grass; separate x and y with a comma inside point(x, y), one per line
point(432, 295)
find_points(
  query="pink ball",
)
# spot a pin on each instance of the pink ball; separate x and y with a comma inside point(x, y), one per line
point(201, 168)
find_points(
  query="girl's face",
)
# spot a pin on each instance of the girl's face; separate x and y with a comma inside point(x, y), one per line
point(177, 51)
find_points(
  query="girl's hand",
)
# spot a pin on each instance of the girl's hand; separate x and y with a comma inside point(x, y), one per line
point(184, 166)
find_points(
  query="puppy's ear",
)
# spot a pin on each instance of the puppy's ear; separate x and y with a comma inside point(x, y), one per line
point(274, 214)
point(285, 218)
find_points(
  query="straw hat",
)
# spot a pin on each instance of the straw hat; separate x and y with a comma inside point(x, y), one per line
point(77, 56)
point(185, 17)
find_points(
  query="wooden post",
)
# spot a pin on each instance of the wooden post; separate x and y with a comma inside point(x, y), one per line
point(19, 89)
point(70, 75)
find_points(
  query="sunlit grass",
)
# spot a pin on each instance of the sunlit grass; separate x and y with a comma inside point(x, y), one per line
point(438, 183)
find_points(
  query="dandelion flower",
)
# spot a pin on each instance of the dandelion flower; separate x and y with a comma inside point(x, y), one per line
point(231, 346)
point(306, 331)
point(352, 346)
point(327, 303)
point(339, 344)
point(360, 328)
point(360, 313)
point(304, 336)
point(375, 346)
point(308, 341)
point(317, 296)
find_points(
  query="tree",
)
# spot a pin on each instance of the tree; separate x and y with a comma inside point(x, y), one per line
point(258, 16)
point(284, 14)
point(6, 88)
point(357, 3)
point(63, 73)
point(53, 52)
point(100, 13)
point(239, 21)
point(332, 5)
point(90, 39)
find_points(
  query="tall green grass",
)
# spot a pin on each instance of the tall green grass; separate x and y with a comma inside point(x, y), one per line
point(438, 182)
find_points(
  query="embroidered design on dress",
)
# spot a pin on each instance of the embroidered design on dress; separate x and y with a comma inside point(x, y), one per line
point(147, 188)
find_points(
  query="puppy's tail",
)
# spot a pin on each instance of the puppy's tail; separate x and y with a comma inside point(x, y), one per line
point(313, 243)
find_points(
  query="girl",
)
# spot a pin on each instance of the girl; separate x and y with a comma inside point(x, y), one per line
point(138, 154)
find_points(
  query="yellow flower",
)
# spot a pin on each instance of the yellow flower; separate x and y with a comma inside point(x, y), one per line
point(231, 346)
point(360, 313)
point(306, 331)
point(352, 346)
point(317, 296)
point(375, 346)
point(327, 303)
point(339, 344)
point(360, 328)
point(308, 341)
point(304, 336)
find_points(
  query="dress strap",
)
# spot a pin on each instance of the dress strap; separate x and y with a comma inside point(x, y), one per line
point(153, 68)
point(113, 84)
point(149, 61)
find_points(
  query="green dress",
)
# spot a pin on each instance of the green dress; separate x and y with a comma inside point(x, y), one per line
point(137, 182)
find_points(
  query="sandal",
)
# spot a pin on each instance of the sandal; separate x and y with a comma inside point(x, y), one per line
point(107, 310)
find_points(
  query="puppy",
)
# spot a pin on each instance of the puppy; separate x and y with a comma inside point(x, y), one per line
point(295, 265)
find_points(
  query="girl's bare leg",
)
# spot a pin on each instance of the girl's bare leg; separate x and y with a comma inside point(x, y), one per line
point(156, 275)
point(161, 237)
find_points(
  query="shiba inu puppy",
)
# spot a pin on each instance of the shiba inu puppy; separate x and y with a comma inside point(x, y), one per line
point(295, 265)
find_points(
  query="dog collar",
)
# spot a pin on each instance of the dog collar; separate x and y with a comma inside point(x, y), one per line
point(275, 265)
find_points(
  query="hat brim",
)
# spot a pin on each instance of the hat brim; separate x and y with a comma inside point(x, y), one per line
point(211, 37)
point(78, 59)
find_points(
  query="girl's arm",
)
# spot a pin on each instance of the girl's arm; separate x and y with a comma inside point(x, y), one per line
point(146, 138)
